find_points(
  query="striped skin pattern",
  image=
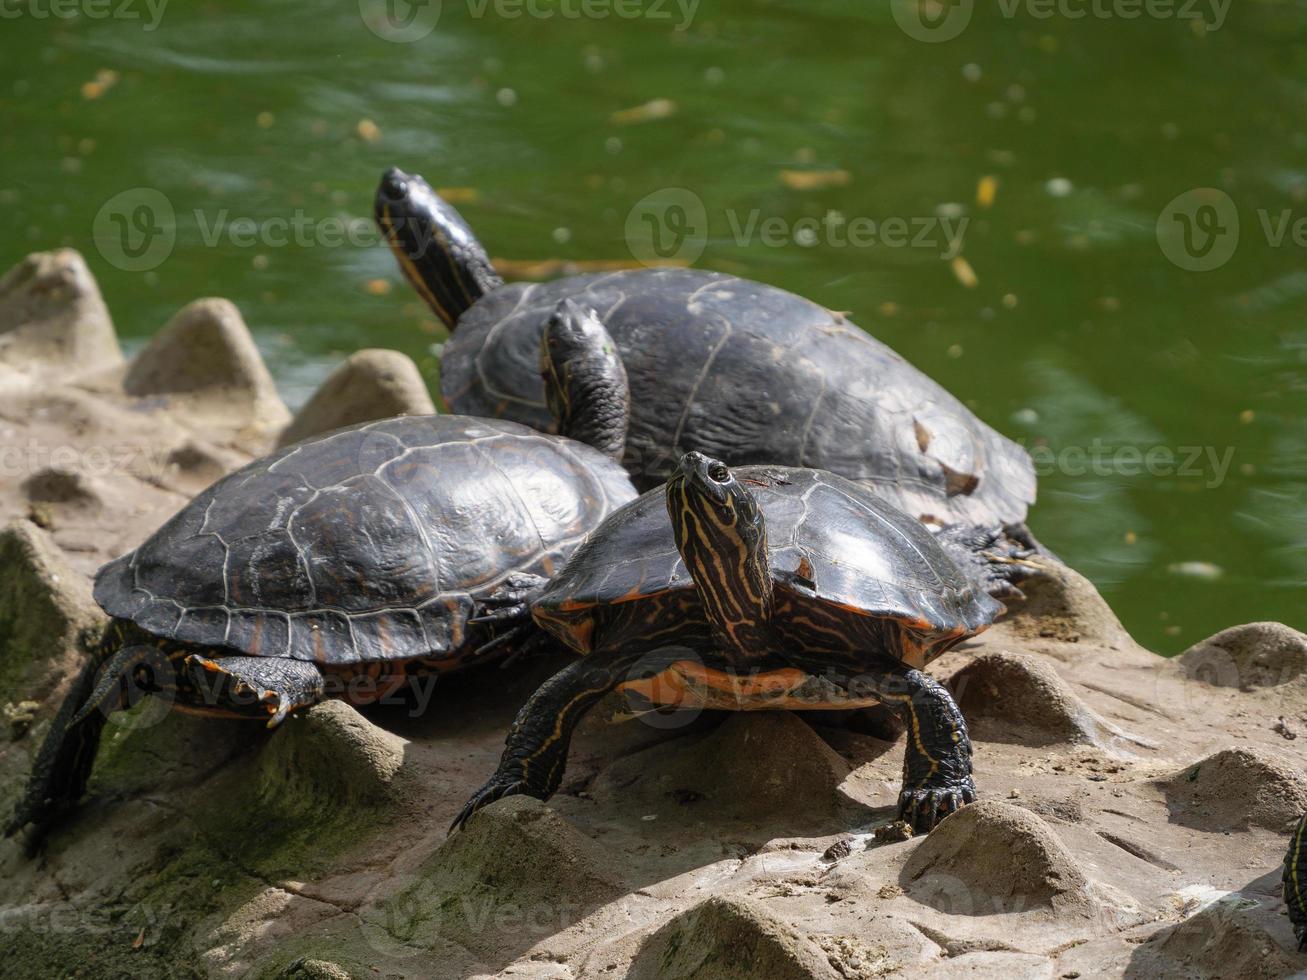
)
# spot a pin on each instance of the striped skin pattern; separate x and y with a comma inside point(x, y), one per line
point(1295, 882)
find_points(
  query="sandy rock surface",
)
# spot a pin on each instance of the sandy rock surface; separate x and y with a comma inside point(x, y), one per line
point(1134, 811)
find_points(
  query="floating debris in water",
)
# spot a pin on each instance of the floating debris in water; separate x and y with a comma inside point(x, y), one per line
point(265, 120)
point(1059, 187)
point(506, 97)
point(105, 79)
point(813, 180)
point(459, 195)
point(368, 131)
point(378, 287)
point(1010, 300)
point(1196, 569)
point(1025, 416)
point(1247, 416)
point(986, 190)
point(963, 272)
point(649, 111)
point(971, 71)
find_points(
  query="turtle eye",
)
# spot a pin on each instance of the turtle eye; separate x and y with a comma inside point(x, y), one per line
point(719, 473)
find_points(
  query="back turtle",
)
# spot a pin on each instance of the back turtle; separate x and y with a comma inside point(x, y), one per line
point(739, 370)
point(759, 587)
point(337, 566)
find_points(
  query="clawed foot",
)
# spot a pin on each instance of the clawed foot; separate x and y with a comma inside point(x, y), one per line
point(499, 786)
point(512, 600)
point(924, 807)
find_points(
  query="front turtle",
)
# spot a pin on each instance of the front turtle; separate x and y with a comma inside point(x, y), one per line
point(1294, 881)
point(739, 370)
point(759, 587)
point(335, 567)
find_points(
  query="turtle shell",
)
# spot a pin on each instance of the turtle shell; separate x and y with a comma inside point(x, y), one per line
point(831, 543)
point(748, 373)
point(372, 543)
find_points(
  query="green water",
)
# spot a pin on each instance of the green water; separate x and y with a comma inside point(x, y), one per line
point(1078, 335)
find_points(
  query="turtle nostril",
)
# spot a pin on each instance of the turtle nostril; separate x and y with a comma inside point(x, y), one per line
point(394, 183)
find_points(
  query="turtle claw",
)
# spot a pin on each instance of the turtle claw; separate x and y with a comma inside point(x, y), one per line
point(496, 789)
point(925, 806)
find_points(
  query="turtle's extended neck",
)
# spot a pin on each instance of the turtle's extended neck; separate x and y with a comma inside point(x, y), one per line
point(585, 382)
point(434, 246)
point(722, 537)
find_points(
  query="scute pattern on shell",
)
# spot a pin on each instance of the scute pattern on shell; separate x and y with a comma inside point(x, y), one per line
point(370, 543)
point(748, 373)
point(853, 549)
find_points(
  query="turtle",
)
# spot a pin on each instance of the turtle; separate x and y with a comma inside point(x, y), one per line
point(1295, 883)
point(759, 587)
point(335, 566)
point(739, 370)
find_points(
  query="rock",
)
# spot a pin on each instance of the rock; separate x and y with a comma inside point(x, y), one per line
point(1255, 655)
point(306, 968)
point(47, 616)
point(991, 857)
point(55, 485)
point(371, 384)
point(730, 939)
point(1063, 606)
point(53, 321)
point(1235, 936)
point(754, 765)
point(199, 462)
point(330, 755)
point(206, 363)
point(1236, 789)
point(1012, 697)
point(516, 873)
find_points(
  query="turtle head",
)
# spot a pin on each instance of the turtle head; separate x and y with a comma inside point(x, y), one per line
point(434, 246)
point(585, 382)
point(722, 537)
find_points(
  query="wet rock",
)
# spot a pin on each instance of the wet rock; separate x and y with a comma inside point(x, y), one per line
point(46, 615)
point(1248, 657)
point(1235, 936)
point(1012, 697)
point(1236, 789)
point(992, 857)
point(330, 754)
point(205, 361)
point(53, 321)
point(754, 765)
point(371, 384)
point(729, 938)
point(1063, 607)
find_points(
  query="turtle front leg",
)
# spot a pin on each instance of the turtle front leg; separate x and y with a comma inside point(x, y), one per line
point(536, 751)
point(937, 762)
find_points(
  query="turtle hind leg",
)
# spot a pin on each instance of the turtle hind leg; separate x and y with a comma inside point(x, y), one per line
point(937, 762)
point(535, 753)
point(274, 686)
point(62, 765)
point(994, 559)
